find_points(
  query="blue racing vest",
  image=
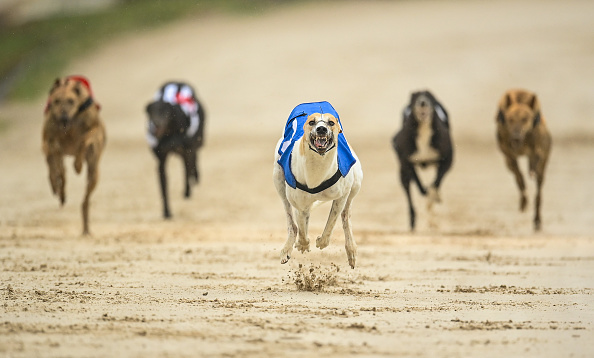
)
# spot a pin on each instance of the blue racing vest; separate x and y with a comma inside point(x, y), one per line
point(294, 131)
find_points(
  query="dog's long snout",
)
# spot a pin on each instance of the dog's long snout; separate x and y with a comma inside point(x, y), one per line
point(321, 131)
point(64, 119)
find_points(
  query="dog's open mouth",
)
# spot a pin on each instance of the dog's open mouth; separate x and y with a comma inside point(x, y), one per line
point(321, 143)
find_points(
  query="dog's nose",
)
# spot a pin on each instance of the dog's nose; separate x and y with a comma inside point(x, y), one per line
point(321, 130)
point(64, 118)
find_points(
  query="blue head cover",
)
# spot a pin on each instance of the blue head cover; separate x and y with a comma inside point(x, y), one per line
point(294, 131)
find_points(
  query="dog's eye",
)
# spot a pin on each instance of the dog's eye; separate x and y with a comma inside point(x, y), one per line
point(331, 123)
point(70, 101)
point(312, 123)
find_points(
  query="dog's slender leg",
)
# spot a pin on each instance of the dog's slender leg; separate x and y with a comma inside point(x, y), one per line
point(57, 175)
point(92, 178)
point(163, 181)
point(512, 165)
point(433, 191)
point(189, 163)
point(337, 208)
point(537, 166)
point(78, 160)
point(285, 254)
point(537, 222)
point(195, 172)
point(413, 175)
point(405, 178)
point(349, 243)
point(444, 165)
point(303, 225)
point(281, 189)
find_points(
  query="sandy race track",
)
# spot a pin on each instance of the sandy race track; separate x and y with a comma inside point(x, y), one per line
point(473, 280)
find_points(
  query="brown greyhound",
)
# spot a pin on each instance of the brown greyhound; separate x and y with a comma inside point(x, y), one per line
point(72, 127)
point(522, 130)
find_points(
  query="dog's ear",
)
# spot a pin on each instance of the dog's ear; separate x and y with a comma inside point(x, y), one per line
point(55, 85)
point(149, 107)
point(413, 96)
point(536, 119)
point(431, 97)
point(507, 101)
point(533, 103)
point(503, 105)
point(77, 89)
point(500, 116)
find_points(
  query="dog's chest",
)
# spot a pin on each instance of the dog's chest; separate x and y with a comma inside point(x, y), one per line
point(424, 152)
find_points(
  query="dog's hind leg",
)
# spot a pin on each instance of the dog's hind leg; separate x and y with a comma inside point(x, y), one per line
point(195, 172)
point(92, 178)
point(190, 170)
point(279, 183)
point(537, 222)
point(512, 164)
point(349, 243)
point(537, 167)
point(285, 254)
point(163, 182)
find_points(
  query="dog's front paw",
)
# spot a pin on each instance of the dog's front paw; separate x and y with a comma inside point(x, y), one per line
point(322, 242)
point(302, 246)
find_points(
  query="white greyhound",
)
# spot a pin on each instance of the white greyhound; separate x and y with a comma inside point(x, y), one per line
point(314, 163)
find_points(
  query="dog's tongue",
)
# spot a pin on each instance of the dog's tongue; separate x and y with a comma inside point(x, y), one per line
point(321, 142)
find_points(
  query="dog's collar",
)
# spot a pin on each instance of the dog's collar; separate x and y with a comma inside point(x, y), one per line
point(325, 185)
point(327, 150)
point(86, 104)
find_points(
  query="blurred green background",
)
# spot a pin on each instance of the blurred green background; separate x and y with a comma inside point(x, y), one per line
point(36, 43)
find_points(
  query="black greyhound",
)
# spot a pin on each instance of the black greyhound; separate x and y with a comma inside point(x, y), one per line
point(424, 140)
point(176, 124)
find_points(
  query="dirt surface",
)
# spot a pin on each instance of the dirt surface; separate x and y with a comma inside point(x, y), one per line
point(474, 280)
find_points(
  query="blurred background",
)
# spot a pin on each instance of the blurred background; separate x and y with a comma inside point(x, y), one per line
point(252, 62)
point(39, 37)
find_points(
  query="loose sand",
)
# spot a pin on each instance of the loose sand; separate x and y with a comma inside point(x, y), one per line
point(474, 280)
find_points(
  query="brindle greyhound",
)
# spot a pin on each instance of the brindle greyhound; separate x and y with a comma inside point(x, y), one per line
point(522, 130)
